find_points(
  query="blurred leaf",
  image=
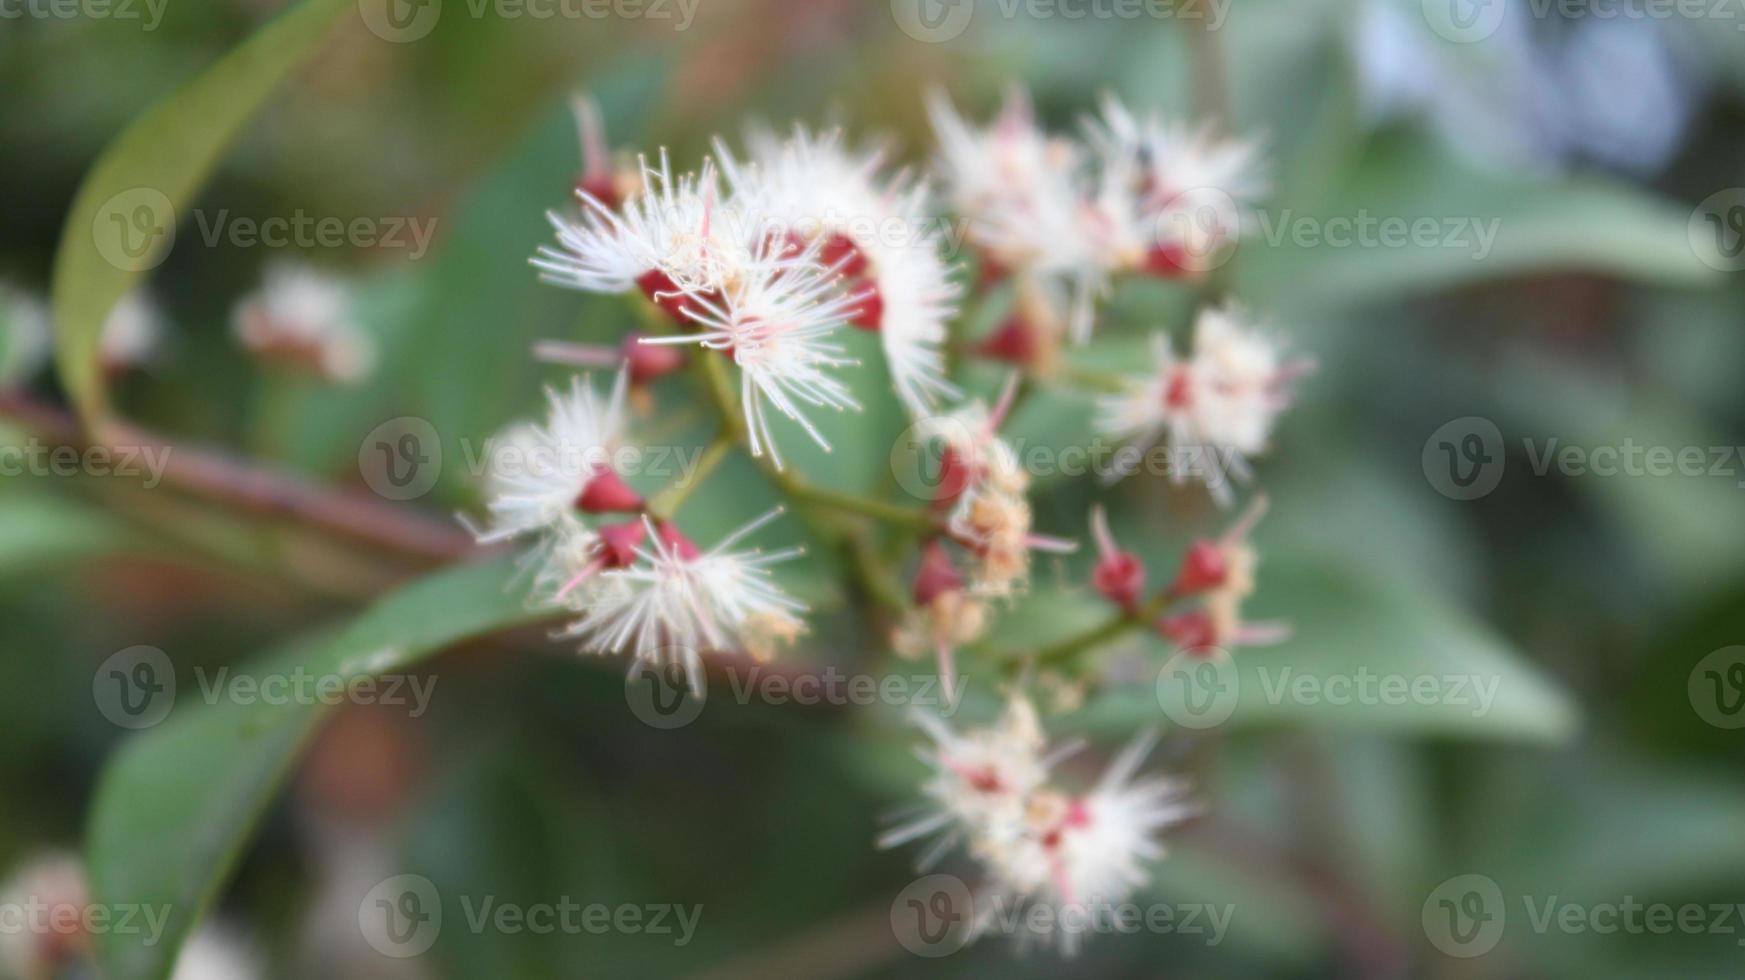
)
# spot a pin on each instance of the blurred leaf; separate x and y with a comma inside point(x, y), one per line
point(135, 188)
point(176, 806)
point(1353, 633)
point(1539, 226)
point(37, 530)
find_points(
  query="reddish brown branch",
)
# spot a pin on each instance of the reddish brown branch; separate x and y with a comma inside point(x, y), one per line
point(256, 491)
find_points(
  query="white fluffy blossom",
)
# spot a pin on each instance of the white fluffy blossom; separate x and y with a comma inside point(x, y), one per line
point(674, 602)
point(876, 231)
point(1080, 854)
point(131, 333)
point(304, 317)
point(538, 474)
point(1214, 408)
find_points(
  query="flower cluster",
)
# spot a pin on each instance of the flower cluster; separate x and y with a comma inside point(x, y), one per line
point(756, 267)
point(1063, 216)
point(1214, 408)
point(991, 791)
point(302, 318)
point(633, 583)
point(766, 259)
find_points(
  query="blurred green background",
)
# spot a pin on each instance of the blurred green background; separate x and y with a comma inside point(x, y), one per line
point(1590, 138)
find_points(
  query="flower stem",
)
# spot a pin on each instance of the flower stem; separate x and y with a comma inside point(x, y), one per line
point(1111, 629)
point(665, 505)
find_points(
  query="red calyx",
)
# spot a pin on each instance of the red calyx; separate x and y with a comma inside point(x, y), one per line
point(1170, 260)
point(650, 361)
point(1203, 567)
point(840, 248)
point(954, 478)
point(676, 542)
point(1012, 342)
point(1179, 392)
point(785, 245)
point(618, 543)
point(1120, 577)
point(990, 272)
point(1192, 631)
point(936, 576)
point(660, 288)
point(606, 493)
point(601, 187)
point(869, 307)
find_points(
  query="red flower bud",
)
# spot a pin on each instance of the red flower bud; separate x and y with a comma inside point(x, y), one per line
point(1203, 567)
point(676, 542)
point(650, 361)
point(1120, 577)
point(607, 492)
point(840, 248)
point(869, 307)
point(618, 543)
point(936, 576)
point(601, 186)
point(1012, 341)
point(1192, 631)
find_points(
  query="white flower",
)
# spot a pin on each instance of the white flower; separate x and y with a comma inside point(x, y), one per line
point(776, 325)
point(1078, 854)
point(980, 783)
point(707, 263)
point(876, 231)
point(542, 475)
point(51, 883)
point(304, 316)
point(673, 241)
point(1189, 188)
point(1216, 409)
point(131, 333)
point(26, 335)
point(675, 602)
point(1083, 855)
point(1032, 206)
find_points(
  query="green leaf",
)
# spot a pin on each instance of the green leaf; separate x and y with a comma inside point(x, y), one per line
point(1315, 252)
point(177, 804)
point(37, 530)
point(1365, 653)
point(123, 220)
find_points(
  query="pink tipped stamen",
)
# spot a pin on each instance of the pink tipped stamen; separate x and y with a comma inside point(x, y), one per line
point(1051, 545)
point(1245, 523)
point(1100, 532)
point(948, 671)
point(592, 568)
point(1003, 405)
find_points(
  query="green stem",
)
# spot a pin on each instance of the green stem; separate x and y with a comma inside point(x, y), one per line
point(665, 505)
point(713, 372)
point(1112, 629)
